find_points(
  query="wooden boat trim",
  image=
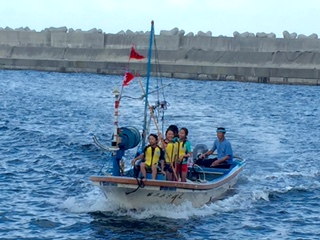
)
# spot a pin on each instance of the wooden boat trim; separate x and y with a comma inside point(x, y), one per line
point(161, 183)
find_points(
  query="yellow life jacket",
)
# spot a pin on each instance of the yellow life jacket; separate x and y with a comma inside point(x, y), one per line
point(152, 155)
point(181, 148)
point(170, 152)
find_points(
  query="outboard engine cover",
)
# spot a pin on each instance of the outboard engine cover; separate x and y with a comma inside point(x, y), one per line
point(199, 149)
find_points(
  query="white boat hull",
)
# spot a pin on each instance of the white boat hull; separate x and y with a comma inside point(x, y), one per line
point(126, 191)
point(123, 195)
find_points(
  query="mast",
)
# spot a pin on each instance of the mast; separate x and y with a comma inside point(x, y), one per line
point(144, 131)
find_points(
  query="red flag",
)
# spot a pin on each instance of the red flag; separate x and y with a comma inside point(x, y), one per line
point(127, 78)
point(134, 54)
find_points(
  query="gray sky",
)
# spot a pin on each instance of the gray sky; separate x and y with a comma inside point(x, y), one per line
point(221, 17)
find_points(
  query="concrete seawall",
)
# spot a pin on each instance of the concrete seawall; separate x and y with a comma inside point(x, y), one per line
point(253, 59)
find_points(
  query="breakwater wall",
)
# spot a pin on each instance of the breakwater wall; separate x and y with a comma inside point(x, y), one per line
point(263, 58)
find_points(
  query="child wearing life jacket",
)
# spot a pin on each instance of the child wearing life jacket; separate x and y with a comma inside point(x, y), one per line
point(184, 152)
point(151, 156)
point(170, 154)
point(175, 130)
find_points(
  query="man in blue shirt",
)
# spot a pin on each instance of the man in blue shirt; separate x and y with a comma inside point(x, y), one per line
point(223, 147)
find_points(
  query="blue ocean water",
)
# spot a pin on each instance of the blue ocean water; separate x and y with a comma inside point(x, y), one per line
point(47, 121)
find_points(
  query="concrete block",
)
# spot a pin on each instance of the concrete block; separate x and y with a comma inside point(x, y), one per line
point(94, 30)
point(304, 81)
point(117, 41)
point(139, 33)
point(27, 29)
point(21, 29)
point(184, 76)
point(129, 32)
point(40, 53)
point(199, 42)
point(171, 32)
point(77, 40)
point(181, 33)
point(164, 42)
point(261, 35)
point(271, 35)
point(302, 36)
point(190, 34)
point(207, 34)
point(19, 38)
point(168, 42)
point(236, 34)
point(56, 29)
point(244, 35)
point(313, 36)
point(5, 51)
point(287, 35)
point(86, 54)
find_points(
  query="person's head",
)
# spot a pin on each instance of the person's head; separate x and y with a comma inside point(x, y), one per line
point(153, 139)
point(221, 131)
point(175, 129)
point(183, 133)
point(169, 134)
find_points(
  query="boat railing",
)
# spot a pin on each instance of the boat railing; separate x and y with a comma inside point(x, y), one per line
point(242, 161)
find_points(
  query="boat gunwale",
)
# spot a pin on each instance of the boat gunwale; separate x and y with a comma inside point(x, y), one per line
point(172, 184)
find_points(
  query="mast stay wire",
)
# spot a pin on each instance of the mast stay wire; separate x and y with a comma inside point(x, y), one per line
point(161, 106)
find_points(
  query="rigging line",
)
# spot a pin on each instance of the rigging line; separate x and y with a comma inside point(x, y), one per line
point(135, 98)
point(156, 56)
point(150, 92)
point(159, 79)
point(140, 185)
point(107, 159)
point(121, 91)
point(158, 66)
point(151, 110)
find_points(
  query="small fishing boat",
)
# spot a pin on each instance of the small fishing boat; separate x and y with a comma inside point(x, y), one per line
point(123, 186)
point(204, 186)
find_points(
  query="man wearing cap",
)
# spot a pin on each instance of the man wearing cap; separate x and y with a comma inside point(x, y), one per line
point(223, 147)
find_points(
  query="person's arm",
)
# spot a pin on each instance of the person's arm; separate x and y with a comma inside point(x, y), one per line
point(217, 162)
point(189, 151)
point(141, 156)
point(206, 154)
point(162, 161)
point(211, 151)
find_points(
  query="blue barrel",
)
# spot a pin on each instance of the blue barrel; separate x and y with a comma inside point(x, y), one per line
point(130, 137)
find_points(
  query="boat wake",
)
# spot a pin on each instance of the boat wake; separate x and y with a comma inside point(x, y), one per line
point(95, 202)
point(280, 185)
